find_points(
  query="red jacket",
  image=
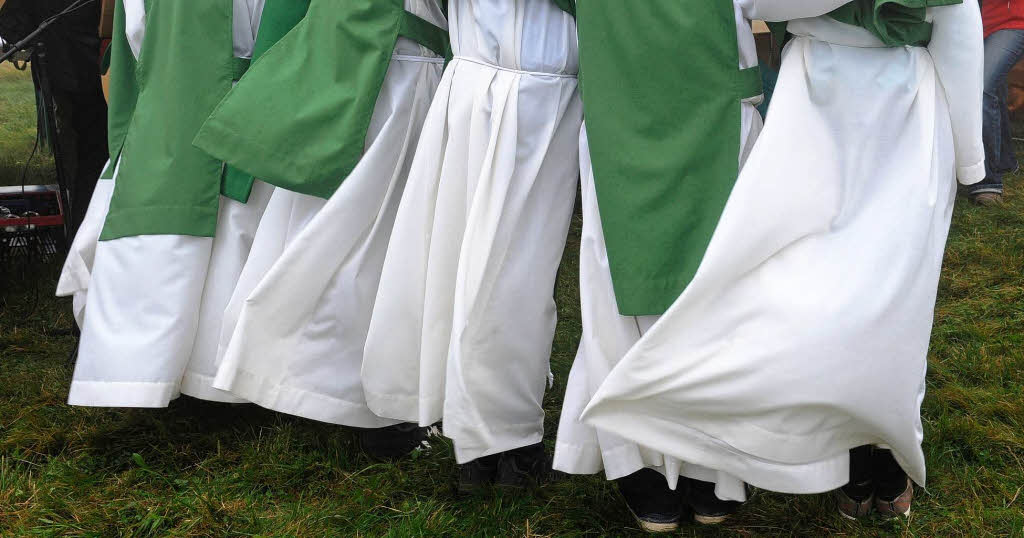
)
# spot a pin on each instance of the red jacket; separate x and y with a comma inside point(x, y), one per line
point(1002, 15)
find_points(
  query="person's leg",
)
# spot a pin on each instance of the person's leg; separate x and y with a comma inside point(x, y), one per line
point(656, 507)
point(89, 121)
point(856, 497)
point(1008, 155)
point(893, 489)
point(708, 508)
point(1002, 51)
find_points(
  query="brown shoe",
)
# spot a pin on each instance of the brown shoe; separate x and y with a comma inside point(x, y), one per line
point(852, 508)
point(988, 199)
point(898, 507)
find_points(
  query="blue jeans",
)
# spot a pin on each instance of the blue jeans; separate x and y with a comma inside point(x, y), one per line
point(1002, 51)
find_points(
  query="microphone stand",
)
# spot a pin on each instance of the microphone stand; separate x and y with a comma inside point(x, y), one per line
point(39, 59)
point(24, 43)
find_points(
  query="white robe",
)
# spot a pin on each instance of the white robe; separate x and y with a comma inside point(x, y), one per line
point(293, 333)
point(77, 271)
point(607, 336)
point(465, 315)
point(805, 331)
point(152, 317)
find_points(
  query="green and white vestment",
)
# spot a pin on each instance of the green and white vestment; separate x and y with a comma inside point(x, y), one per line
point(805, 330)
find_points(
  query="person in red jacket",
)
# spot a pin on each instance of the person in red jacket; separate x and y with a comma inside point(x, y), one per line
point(1004, 47)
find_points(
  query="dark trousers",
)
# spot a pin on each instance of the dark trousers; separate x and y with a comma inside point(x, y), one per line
point(82, 127)
point(1003, 50)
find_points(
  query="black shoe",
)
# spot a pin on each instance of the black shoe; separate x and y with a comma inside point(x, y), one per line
point(656, 507)
point(478, 474)
point(392, 442)
point(708, 509)
point(524, 467)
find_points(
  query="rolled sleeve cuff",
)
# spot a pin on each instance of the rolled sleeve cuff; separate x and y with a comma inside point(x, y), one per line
point(969, 175)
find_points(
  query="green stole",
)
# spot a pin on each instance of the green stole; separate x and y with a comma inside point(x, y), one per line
point(123, 90)
point(897, 23)
point(299, 119)
point(279, 17)
point(568, 6)
point(662, 95)
point(187, 65)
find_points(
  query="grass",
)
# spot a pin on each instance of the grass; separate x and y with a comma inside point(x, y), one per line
point(201, 469)
point(18, 130)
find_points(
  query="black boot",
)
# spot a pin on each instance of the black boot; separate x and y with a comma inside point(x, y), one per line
point(524, 467)
point(656, 507)
point(478, 474)
point(392, 442)
point(708, 509)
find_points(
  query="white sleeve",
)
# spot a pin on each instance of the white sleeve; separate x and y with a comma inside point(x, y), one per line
point(785, 10)
point(958, 50)
point(135, 24)
point(246, 23)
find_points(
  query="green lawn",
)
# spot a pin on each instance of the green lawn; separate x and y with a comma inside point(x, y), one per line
point(18, 130)
point(204, 469)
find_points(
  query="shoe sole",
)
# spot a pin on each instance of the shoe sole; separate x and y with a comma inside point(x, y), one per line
point(709, 520)
point(653, 527)
point(848, 516)
point(894, 515)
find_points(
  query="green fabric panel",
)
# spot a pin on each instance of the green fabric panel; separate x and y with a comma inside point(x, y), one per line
point(896, 22)
point(778, 31)
point(239, 67)
point(123, 87)
point(108, 170)
point(236, 184)
point(166, 186)
point(749, 83)
point(664, 136)
point(425, 33)
point(569, 6)
point(188, 219)
point(278, 18)
point(105, 62)
point(316, 91)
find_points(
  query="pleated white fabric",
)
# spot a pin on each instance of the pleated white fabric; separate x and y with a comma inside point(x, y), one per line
point(153, 314)
point(236, 231)
point(805, 331)
point(77, 271)
point(294, 331)
point(465, 315)
point(607, 336)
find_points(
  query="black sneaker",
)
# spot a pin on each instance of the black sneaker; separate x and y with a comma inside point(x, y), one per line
point(524, 467)
point(392, 442)
point(656, 507)
point(478, 474)
point(708, 509)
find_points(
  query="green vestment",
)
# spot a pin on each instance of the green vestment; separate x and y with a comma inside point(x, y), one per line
point(896, 23)
point(123, 90)
point(662, 95)
point(314, 94)
point(186, 66)
point(279, 17)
